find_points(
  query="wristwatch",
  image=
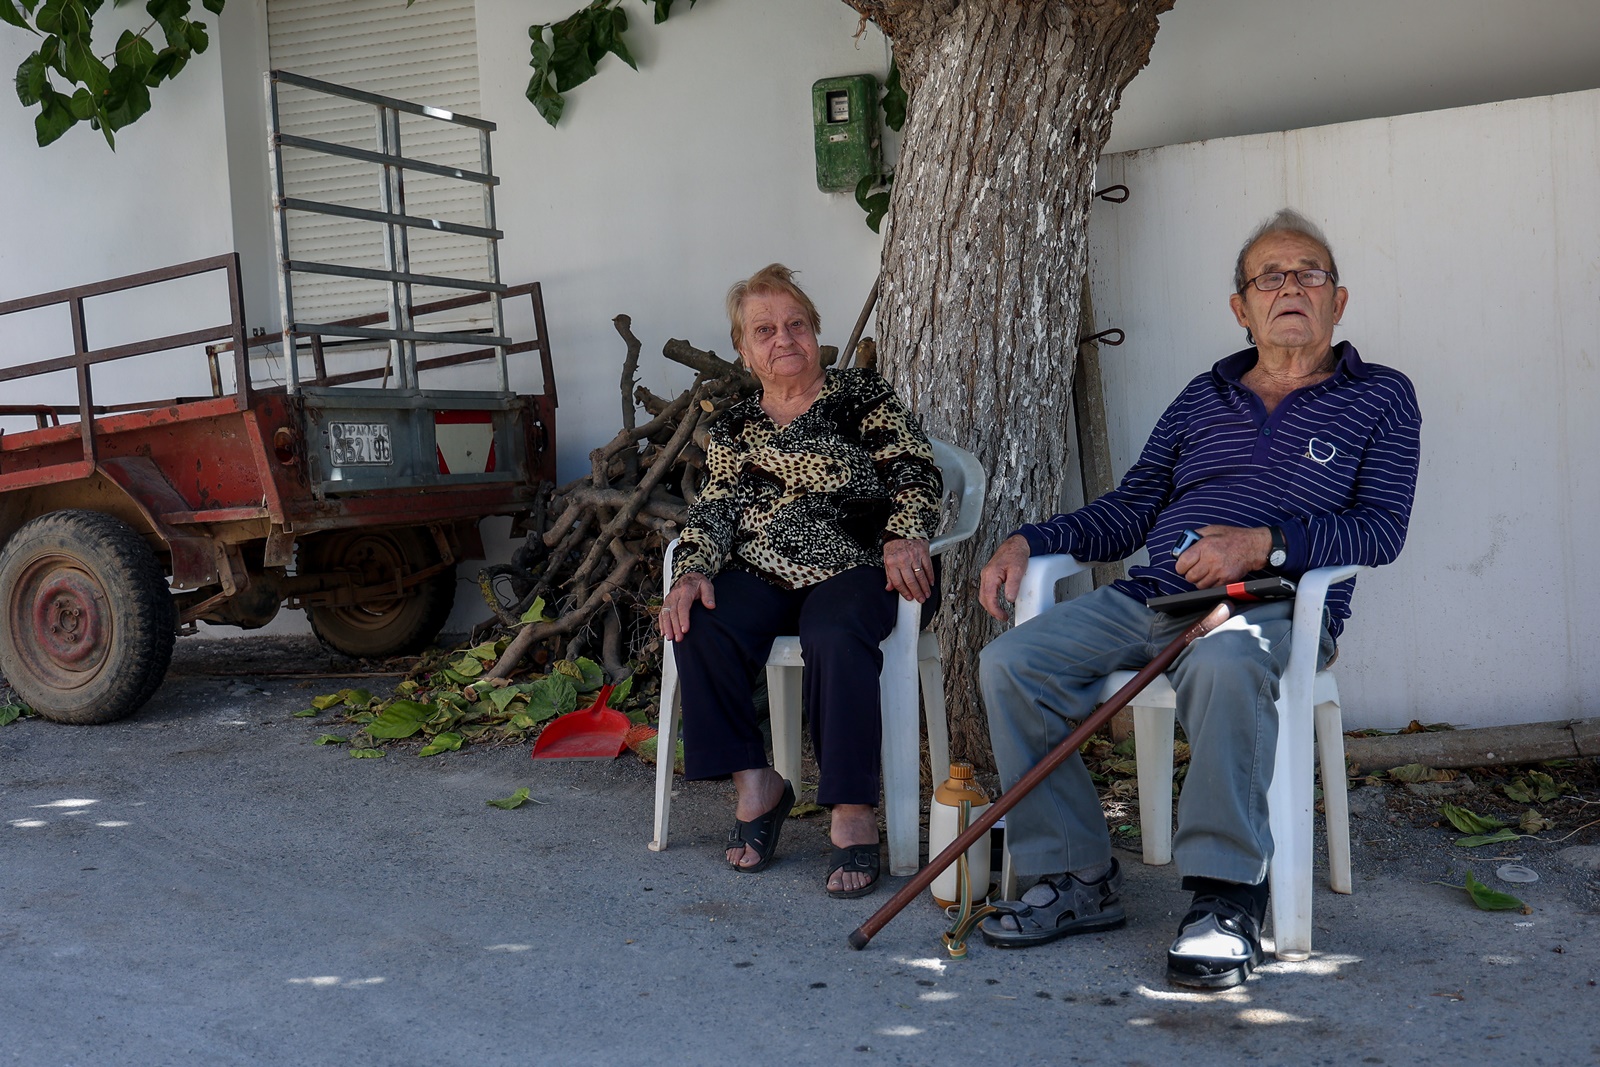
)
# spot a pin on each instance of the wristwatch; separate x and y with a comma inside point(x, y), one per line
point(1280, 548)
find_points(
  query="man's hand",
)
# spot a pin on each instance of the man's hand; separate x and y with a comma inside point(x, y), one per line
point(1002, 576)
point(674, 620)
point(909, 568)
point(1224, 554)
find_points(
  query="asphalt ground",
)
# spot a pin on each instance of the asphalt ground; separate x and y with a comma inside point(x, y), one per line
point(201, 884)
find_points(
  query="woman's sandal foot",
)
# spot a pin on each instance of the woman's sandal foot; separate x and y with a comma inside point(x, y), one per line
point(760, 835)
point(862, 859)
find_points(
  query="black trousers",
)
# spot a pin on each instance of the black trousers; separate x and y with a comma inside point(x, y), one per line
point(840, 622)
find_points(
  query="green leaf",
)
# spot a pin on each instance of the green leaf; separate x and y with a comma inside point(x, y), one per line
point(53, 120)
point(9, 13)
point(549, 103)
point(619, 692)
point(330, 739)
point(550, 696)
point(441, 743)
point(400, 719)
point(1532, 822)
point(198, 40)
point(1418, 772)
point(569, 60)
point(515, 800)
point(467, 667)
point(592, 676)
point(323, 703)
point(502, 698)
point(309, 713)
point(1498, 837)
point(10, 713)
point(366, 753)
point(129, 99)
point(485, 652)
point(1469, 822)
point(355, 698)
point(1518, 791)
point(215, 6)
point(32, 77)
point(894, 98)
point(1490, 899)
point(613, 38)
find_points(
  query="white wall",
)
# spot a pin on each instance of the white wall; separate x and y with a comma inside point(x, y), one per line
point(1470, 242)
point(1221, 68)
point(663, 187)
point(76, 212)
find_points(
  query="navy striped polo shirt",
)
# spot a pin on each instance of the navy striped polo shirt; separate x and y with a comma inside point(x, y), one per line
point(1334, 465)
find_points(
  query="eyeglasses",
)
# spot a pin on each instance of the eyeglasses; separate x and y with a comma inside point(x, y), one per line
point(1310, 278)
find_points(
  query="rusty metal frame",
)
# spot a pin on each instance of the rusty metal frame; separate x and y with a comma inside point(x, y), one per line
point(83, 357)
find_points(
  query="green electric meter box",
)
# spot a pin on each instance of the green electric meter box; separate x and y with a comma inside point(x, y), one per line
point(844, 113)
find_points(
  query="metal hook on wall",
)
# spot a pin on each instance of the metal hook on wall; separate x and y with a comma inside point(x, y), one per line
point(1111, 337)
point(1110, 194)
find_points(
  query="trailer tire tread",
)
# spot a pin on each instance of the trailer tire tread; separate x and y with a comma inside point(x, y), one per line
point(104, 557)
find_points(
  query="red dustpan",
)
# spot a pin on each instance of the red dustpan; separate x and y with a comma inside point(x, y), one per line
point(597, 732)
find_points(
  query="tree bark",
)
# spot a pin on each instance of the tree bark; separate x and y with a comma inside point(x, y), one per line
point(985, 252)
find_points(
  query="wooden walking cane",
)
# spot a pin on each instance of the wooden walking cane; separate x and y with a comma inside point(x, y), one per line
point(1057, 756)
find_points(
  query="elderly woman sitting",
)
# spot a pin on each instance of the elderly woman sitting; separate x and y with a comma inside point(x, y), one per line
point(820, 498)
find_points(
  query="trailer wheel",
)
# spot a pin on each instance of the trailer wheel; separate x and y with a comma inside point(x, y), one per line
point(390, 626)
point(89, 620)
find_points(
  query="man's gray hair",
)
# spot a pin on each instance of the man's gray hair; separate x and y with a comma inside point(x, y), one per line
point(1287, 220)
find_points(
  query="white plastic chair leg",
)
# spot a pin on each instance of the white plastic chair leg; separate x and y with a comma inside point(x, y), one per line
point(1289, 807)
point(1153, 744)
point(783, 707)
point(931, 670)
point(1335, 800)
point(666, 746)
point(902, 757)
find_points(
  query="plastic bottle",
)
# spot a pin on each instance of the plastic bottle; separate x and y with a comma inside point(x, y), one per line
point(944, 826)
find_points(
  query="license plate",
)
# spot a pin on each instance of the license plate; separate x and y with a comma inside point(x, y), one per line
point(357, 444)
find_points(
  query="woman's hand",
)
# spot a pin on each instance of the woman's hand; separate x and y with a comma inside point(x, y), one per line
point(674, 619)
point(909, 568)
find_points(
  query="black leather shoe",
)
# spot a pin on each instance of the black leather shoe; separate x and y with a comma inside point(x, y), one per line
point(1218, 945)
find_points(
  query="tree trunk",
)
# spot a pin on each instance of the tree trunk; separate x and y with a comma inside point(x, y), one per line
point(985, 252)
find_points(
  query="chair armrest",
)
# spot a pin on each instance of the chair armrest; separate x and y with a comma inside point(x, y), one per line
point(1038, 590)
point(1311, 592)
point(666, 566)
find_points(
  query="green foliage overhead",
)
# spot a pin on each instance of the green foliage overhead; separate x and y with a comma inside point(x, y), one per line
point(70, 83)
point(567, 53)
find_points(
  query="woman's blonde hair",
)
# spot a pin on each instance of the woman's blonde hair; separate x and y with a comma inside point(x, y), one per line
point(770, 280)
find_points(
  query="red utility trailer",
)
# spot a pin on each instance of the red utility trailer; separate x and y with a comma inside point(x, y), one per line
point(347, 489)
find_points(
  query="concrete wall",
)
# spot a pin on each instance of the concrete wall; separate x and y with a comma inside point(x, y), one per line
point(1221, 68)
point(1470, 242)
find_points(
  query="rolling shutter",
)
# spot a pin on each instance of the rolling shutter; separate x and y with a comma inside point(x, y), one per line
point(426, 53)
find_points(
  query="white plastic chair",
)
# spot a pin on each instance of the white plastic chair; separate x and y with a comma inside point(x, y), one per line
point(1308, 700)
point(907, 652)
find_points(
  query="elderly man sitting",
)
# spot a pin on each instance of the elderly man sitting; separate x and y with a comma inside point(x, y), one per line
point(1287, 456)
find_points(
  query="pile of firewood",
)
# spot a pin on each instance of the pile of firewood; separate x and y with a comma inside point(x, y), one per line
point(593, 555)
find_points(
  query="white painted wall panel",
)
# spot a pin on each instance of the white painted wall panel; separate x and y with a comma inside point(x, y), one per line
point(1470, 242)
point(76, 212)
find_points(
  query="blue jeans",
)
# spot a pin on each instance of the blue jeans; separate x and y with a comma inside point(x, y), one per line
point(1039, 679)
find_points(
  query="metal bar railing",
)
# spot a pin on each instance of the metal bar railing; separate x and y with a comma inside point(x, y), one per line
point(400, 330)
point(417, 222)
point(376, 100)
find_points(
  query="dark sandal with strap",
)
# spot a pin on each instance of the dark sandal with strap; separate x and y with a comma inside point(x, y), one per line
point(859, 858)
point(761, 833)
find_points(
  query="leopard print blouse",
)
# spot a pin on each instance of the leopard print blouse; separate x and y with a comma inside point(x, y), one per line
point(804, 503)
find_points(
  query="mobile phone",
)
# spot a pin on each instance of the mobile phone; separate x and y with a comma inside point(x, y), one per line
point(1189, 538)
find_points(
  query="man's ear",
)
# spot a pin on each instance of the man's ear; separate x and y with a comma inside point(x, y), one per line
point(1236, 302)
point(1341, 297)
